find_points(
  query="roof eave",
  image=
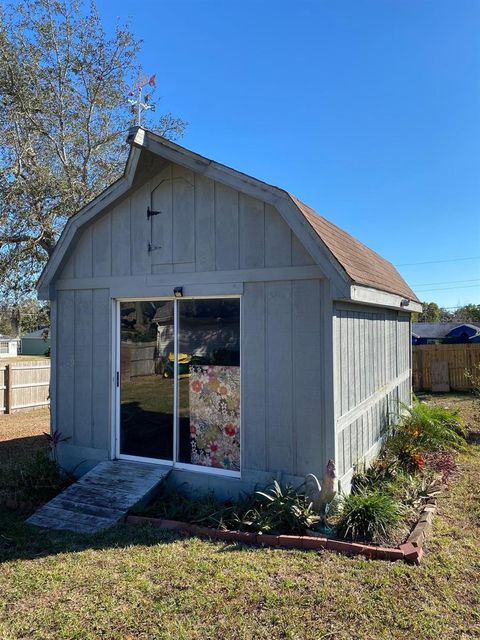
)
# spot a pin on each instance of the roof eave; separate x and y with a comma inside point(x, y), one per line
point(361, 294)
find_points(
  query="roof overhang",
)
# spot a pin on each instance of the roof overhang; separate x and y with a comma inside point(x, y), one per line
point(377, 298)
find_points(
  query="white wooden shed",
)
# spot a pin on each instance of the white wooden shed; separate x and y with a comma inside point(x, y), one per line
point(8, 346)
point(214, 324)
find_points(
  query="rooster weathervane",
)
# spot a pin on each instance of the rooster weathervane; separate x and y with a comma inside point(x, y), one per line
point(139, 101)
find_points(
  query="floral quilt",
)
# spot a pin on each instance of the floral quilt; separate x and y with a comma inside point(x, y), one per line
point(215, 416)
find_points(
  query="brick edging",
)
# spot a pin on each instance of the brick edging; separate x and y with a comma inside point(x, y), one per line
point(419, 532)
point(407, 552)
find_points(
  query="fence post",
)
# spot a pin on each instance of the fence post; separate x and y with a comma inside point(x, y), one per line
point(8, 389)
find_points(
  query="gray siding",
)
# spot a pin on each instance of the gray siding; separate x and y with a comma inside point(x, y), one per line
point(281, 386)
point(281, 354)
point(202, 226)
point(83, 366)
point(372, 376)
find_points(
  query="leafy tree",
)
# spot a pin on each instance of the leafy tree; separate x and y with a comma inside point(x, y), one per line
point(468, 313)
point(63, 123)
point(28, 315)
point(430, 313)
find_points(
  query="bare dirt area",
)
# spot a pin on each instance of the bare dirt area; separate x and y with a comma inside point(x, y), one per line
point(21, 433)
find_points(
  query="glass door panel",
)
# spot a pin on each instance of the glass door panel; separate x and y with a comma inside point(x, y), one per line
point(147, 379)
point(209, 382)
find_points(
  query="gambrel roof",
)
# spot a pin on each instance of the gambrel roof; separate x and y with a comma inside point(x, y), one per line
point(356, 272)
point(363, 265)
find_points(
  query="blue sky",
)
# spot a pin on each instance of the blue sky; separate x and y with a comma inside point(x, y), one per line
point(369, 110)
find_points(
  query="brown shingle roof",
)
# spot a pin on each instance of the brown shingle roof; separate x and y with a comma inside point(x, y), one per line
point(363, 265)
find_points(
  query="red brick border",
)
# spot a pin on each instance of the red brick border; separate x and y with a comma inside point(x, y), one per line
point(407, 552)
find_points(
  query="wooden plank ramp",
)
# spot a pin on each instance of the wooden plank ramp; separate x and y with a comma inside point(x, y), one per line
point(100, 498)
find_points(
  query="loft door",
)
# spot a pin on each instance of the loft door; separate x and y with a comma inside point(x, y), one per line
point(180, 382)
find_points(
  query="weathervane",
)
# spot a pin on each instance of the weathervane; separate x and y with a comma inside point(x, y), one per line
point(137, 100)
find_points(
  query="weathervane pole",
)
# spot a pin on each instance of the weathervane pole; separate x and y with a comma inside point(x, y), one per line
point(141, 102)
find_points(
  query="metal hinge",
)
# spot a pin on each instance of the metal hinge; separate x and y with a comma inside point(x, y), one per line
point(153, 247)
point(151, 213)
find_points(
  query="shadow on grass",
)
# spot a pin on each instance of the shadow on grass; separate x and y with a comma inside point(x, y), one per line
point(21, 541)
point(27, 445)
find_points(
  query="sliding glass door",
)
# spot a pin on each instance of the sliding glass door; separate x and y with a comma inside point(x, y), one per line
point(180, 381)
point(146, 379)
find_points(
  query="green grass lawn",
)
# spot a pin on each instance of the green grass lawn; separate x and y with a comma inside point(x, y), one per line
point(141, 583)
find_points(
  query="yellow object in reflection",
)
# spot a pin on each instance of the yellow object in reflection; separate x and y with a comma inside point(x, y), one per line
point(183, 362)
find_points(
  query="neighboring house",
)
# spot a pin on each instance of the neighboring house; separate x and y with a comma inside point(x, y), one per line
point(444, 332)
point(36, 343)
point(8, 346)
point(214, 324)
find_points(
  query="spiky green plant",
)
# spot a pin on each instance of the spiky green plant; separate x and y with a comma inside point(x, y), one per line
point(278, 510)
point(368, 516)
point(424, 428)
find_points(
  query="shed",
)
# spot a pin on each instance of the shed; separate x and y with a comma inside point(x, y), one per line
point(215, 324)
point(8, 346)
point(36, 343)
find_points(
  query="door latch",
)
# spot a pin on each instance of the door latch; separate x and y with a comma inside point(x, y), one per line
point(151, 213)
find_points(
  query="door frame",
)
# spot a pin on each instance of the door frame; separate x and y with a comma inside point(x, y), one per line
point(116, 386)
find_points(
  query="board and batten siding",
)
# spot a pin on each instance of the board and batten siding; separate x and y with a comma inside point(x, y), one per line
point(82, 358)
point(282, 426)
point(281, 352)
point(201, 226)
point(372, 376)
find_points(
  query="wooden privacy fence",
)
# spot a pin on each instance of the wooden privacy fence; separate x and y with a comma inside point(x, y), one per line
point(24, 385)
point(448, 360)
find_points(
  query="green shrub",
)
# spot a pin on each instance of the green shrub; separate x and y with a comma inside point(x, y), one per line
point(382, 470)
point(423, 428)
point(368, 516)
point(278, 510)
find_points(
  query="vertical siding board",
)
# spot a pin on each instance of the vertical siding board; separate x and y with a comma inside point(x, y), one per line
point(101, 367)
point(251, 232)
point(204, 223)
point(183, 215)
point(357, 360)
point(102, 246)
point(83, 254)
point(68, 268)
point(306, 374)
point(66, 322)
point(120, 228)
point(340, 456)
point(254, 442)
point(279, 375)
point(278, 239)
point(344, 360)
point(351, 379)
point(83, 368)
point(300, 256)
point(226, 228)
point(160, 226)
point(140, 231)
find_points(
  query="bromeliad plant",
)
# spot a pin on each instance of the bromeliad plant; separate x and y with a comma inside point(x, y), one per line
point(278, 510)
